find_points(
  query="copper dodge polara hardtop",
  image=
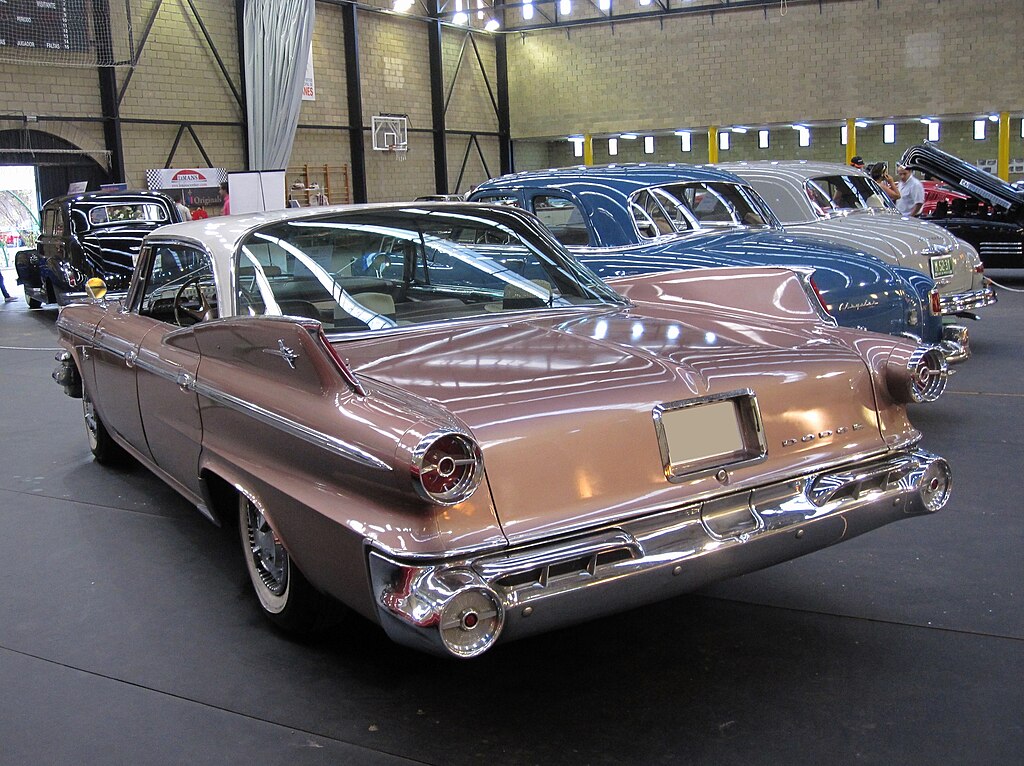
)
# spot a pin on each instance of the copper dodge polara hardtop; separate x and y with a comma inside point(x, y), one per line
point(430, 413)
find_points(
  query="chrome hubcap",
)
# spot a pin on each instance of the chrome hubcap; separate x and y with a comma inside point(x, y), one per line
point(268, 554)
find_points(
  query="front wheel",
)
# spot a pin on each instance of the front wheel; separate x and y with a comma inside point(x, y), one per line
point(103, 447)
point(32, 302)
point(284, 594)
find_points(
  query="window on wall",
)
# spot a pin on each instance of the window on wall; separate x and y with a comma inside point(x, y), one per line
point(889, 133)
point(648, 144)
point(613, 147)
point(723, 141)
point(979, 130)
point(762, 139)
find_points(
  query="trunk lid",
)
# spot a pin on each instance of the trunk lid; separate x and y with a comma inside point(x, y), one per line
point(564, 408)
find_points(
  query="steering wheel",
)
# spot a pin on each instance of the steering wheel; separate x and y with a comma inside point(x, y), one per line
point(203, 312)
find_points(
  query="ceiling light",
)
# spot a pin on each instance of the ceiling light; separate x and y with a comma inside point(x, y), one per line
point(528, 11)
point(628, 136)
point(604, 5)
point(565, 7)
point(926, 120)
point(461, 17)
point(737, 129)
point(645, 2)
point(861, 123)
point(993, 118)
point(480, 9)
point(403, 6)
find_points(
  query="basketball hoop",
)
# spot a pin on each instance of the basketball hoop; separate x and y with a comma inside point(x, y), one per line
point(391, 134)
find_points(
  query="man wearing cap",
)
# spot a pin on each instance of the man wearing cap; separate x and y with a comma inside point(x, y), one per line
point(911, 193)
point(857, 162)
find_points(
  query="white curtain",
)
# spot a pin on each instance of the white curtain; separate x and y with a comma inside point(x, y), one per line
point(277, 35)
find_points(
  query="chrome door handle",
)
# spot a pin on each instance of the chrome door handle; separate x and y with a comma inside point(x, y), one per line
point(130, 357)
point(185, 382)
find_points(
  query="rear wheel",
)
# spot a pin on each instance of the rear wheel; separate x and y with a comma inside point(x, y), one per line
point(284, 594)
point(32, 302)
point(103, 447)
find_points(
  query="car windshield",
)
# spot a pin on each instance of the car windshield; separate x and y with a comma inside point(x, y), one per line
point(359, 270)
point(683, 206)
point(122, 212)
point(843, 193)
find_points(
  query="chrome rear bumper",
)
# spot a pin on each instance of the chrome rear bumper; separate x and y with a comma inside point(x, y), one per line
point(463, 607)
point(955, 303)
point(956, 343)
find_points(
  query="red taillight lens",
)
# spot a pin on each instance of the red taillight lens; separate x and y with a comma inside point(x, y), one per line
point(817, 294)
point(936, 304)
point(447, 468)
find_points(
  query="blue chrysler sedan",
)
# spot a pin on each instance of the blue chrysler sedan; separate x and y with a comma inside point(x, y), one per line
point(623, 220)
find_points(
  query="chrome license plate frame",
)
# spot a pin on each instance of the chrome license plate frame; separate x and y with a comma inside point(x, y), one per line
point(702, 435)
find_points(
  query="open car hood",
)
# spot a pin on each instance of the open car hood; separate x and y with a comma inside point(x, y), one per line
point(964, 177)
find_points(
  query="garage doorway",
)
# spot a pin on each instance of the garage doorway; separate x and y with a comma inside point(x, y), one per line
point(19, 211)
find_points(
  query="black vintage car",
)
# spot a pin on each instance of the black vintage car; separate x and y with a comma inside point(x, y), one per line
point(992, 216)
point(96, 234)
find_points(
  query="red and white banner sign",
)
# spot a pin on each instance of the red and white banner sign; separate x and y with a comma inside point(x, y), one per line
point(185, 178)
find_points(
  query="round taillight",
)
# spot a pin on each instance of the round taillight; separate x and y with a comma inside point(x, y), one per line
point(471, 621)
point(447, 468)
point(928, 374)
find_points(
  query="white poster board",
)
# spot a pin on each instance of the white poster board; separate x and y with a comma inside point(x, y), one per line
point(256, 191)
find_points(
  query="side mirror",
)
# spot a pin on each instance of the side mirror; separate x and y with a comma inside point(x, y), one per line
point(96, 288)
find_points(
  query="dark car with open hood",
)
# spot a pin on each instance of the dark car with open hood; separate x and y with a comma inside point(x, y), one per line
point(96, 234)
point(987, 211)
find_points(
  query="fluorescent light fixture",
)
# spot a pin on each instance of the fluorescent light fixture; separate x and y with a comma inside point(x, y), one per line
point(860, 124)
point(604, 5)
point(629, 136)
point(645, 2)
point(684, 139)
point(528, 11)
point(648, 144)
point(979, 130)
point(762, 139)
point(843, 135)
point(738, 129)
point(402, 6)
point(933, 131)
point(889, 133)
point(565, 7)
point(613, 147)
point(926, 120)
point(723, 140)
point(993, 118)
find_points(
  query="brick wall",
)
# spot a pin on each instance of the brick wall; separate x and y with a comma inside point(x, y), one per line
point(858, 58)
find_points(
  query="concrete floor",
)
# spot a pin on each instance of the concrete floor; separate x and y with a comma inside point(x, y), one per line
point(128, 633)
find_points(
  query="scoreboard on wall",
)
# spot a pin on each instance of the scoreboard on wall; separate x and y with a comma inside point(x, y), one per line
point(56, 25)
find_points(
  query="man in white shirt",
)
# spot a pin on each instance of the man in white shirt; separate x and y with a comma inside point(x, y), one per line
point(911, 193)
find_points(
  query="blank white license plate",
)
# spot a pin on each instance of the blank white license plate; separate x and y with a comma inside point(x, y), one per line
point(706, 433)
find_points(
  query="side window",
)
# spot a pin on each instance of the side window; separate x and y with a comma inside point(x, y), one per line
point(509, 200)
point(47, 227)
point(563, 218)
point(179, 287)
point(650, 219)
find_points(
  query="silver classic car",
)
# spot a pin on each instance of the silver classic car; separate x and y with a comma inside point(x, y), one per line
point(432, 414)
point(844, 205)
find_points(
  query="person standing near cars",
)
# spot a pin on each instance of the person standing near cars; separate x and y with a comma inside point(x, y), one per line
point(225, 199)
point(3, 289)
point(880, 173)
point(911, 193)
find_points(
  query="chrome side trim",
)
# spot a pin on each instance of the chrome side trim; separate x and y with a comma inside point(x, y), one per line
point(272, 419)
